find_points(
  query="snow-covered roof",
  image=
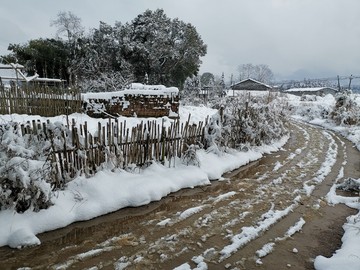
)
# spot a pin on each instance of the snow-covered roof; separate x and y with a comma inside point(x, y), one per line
point(38, 79)
point(11, 66)
point(252, 80)
point(13, 72)
point(309, 89)
point(135, 89)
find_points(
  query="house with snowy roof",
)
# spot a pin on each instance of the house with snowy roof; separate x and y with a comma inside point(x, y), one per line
point(318, 91)
point(14, 73)
point(248, 85)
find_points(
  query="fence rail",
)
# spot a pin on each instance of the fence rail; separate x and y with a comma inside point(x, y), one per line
point(114, 145)
point(34, 99)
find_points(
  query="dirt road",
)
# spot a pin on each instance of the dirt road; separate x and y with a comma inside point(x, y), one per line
point(271, 214)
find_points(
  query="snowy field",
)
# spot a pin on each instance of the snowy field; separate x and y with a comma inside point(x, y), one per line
point(86, 198)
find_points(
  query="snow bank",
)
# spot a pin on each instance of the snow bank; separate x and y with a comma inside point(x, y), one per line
point(86, 198)
point(347, 257)
point(316, 112)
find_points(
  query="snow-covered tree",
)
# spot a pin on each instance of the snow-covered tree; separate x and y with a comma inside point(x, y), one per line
point(207, 79)
point(168, 50)
point(68, 25)
point(98, 62)
point(191, 90)
point(261, 73)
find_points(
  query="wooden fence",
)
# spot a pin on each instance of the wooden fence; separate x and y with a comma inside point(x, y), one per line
point(36, 99)
point(114, 145)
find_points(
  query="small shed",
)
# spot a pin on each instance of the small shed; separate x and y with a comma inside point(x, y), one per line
point(318, 91)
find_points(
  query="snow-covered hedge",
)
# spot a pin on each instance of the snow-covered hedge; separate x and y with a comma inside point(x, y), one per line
point(310, 107)
point(24, 169)
point(246, 122)
point(346, 111)
point(343, 109)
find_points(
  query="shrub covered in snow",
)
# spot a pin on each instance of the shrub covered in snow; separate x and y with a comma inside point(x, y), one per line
point(24, 169)
point(346, 111)
point(245, 122)
point(310, 107)
point(343, 109)
point(190, 157)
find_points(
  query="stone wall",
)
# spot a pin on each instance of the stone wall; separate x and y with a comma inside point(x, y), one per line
point(134, 105)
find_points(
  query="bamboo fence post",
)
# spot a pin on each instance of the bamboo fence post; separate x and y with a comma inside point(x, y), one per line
point(86, 149)
point(126, 152)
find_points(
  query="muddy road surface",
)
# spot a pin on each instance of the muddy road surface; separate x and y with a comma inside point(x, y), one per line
point(270, 214)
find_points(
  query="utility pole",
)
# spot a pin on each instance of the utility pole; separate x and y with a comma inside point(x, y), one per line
point(350, 79)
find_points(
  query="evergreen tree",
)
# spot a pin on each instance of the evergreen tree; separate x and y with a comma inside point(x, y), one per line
point(46, 57)
point(167, 50)
point(109, 57)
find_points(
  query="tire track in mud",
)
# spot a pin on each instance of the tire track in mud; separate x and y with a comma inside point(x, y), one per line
point(255, 205)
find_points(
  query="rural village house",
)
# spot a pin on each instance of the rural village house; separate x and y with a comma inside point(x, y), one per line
point(248, 85)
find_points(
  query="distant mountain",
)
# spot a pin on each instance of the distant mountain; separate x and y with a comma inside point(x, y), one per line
point(302, 74)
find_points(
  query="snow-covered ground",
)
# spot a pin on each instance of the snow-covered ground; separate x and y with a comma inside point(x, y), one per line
point(347, 257)
point(86, 198)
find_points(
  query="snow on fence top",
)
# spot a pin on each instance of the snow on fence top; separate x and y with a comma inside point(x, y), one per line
point(135, 89)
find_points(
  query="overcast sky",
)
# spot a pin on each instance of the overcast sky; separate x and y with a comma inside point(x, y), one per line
point(296, 38)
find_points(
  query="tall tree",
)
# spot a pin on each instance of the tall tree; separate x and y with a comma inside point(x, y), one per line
point(260, 72)
point(98, 63)
point(207, 79)
point(167, 50)
point(68, 24)
point(46, 57)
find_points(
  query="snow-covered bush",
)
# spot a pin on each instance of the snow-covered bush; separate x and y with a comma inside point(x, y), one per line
point(105, 82)
point(218, 132)
point(346, 111)
point(310, 107)
point(190, 157)
point(24, 169)
point(257, 124)
point(245, 122)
